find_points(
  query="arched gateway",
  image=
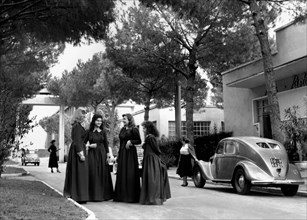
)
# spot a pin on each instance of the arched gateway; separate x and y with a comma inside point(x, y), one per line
point(45, 98)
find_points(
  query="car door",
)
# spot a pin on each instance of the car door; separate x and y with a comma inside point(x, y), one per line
point(216, 162)
point(229, 160)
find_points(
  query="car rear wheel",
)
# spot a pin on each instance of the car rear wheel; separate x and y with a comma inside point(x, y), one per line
point(289, 190)
point(241, 184)
point(198, 180)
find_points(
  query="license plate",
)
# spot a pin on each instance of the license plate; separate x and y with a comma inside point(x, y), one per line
point(276, 162)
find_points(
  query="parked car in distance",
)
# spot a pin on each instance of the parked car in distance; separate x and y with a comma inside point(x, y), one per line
point(30, 158)
point(249, 161)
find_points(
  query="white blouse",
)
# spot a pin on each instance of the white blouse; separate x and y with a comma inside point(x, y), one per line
point(184, 149)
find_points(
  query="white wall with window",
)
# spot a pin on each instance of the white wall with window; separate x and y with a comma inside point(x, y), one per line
point(206, 120)
point(201, 128)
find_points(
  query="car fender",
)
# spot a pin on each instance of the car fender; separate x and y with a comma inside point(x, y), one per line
point(293, 173)
point(252, 171)
point(205, 169)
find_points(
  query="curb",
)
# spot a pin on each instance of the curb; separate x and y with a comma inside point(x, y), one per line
point(299, 193)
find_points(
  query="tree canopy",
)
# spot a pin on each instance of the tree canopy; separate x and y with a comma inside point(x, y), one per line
point(181, 41)
point(56, 21)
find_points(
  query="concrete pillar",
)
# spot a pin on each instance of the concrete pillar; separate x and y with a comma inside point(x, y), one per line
point(61, 134)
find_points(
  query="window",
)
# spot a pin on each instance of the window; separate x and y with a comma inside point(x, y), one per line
point(171, 129)
point(219, 149)
point(260, 106)
point(230, 147)
point(200, 128)
point(274, 146)
point(262, 145)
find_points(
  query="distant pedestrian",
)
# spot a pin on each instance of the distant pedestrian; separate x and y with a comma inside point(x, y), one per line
point(53, 159)
point(127, 187)
point(155, 184)
point(76, 179)
point(100, 181)
point(187, 154)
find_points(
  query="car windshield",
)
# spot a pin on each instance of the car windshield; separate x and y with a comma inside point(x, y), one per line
point(268, 145)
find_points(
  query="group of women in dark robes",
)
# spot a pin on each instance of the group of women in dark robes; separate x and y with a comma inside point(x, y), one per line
point(88, 176)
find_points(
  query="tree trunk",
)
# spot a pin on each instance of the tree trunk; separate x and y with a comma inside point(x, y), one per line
point(178, 109)
point(190, 90)
point(273, 105)
point(147, 106)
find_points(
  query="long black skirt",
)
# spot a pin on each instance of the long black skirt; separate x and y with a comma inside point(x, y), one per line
point(184, 166)
point(128, 185)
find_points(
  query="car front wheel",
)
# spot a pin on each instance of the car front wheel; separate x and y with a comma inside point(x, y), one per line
point(289, 190)
point(241, 184)
point(198, 180)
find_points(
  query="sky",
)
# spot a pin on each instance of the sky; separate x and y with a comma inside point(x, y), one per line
point(67, 61)
point(69, 58)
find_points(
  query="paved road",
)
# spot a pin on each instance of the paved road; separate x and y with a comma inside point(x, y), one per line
point(211, 202)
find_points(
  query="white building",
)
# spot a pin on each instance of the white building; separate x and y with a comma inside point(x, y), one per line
point(245, 99)
point(206, 120)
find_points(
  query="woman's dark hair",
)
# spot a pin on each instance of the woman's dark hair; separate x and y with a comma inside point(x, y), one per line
point(92, 125)
point(130, 118)
point(150, 128)
point(185, 140)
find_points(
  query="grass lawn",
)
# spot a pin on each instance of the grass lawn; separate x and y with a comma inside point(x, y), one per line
point(10, 162)
point(12, 170)
point(24, 199)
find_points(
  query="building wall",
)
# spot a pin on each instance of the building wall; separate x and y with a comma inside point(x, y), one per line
point(163, 116)
point(290, 62)
point(238, 111)
point(291, 49)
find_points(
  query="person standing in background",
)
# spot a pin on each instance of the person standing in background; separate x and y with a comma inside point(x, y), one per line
point(155, 184)
point(53, 159)
point(76, 177)
point(127, 187)
point(100, 181)
point(187, 154)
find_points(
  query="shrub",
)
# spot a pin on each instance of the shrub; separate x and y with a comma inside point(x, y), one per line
point(170, 151)
point(295, 128)
point(205, 146)
point(4, 153)
point(291, 151)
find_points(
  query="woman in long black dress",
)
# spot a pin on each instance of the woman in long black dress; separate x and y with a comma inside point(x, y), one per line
point(53, 159)
point(155, 185)
point(127, 187)
point(100, 181)
point(76, 179)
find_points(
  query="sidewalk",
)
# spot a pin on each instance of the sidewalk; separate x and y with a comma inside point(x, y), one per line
point(302, 190)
